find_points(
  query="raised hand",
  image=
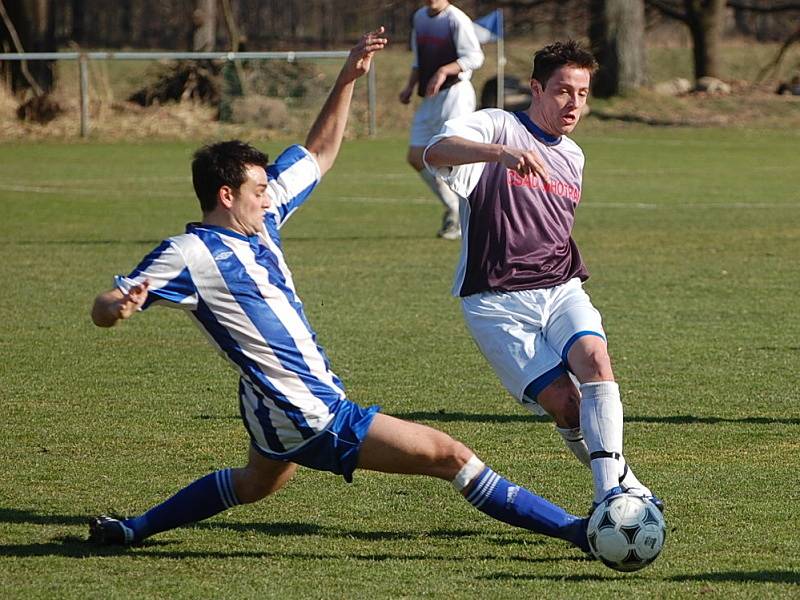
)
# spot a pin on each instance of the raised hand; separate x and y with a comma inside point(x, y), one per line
point(360, 59)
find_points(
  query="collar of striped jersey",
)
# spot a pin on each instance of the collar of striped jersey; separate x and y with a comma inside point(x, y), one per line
point(190, 227)
point(545, 138)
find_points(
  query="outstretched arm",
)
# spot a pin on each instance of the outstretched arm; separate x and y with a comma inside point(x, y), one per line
point(325, 136)
point(453, 151)
point(115, 305)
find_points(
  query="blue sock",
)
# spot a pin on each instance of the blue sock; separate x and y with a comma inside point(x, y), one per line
point(199, 500)
point(504, 501)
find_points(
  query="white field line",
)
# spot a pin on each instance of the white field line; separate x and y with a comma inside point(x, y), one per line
point(60, 189)
point(586, 204)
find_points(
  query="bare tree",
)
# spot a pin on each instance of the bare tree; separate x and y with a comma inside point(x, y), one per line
point(616, 31)
point(705, 19)
point(205, 26)
point(28, 26)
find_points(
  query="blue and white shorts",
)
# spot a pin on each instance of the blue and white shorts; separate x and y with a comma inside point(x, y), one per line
point(455, 101)
point(333, 448)
point(526, 335)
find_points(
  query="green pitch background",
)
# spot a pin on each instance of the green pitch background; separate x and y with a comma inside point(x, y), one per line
point(692, 237)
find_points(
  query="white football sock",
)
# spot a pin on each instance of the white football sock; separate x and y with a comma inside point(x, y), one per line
point(601, 422)
point(447, 196)
point(573, 438)
point(628, 481)
point(473, 467)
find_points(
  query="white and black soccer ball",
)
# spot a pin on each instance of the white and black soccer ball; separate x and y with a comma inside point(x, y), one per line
point(626, 532)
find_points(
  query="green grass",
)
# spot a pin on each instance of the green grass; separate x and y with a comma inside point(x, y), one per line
point(692, 238)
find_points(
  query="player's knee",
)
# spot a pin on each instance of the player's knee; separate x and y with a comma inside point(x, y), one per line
point(561, 400)
point(249, 487)
point(449, 456)
point(414, 158)
point(252, 484)
point(591, 362)
point(598, 364)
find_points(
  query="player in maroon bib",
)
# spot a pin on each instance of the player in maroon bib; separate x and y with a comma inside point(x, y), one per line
point(520, 275)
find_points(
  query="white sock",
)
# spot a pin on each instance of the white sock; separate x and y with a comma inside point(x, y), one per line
point(473, 467)
point(573, 438)
point(628, 481)
point(447, 196)
point(601, 422)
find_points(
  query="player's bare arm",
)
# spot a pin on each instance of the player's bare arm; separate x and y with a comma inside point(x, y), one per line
point(325, 136)
point(115, 305)
point(453, 151)
point(408, 91)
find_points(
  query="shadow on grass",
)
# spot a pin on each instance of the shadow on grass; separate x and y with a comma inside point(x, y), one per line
point(570, 578)
point(792, 577)
point(78, 547)
point(13, 515)
point(75, 547)
point(448, 417)
point(310, 529)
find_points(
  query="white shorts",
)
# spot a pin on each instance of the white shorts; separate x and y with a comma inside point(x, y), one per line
point(455, 101)
point(526, 335)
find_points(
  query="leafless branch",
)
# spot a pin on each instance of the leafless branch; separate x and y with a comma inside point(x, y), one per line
point(775, 62)
point(37, 90)
point(758, 8)
point(670, 9)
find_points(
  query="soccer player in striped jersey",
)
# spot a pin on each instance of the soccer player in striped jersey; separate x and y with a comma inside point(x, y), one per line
point(229, 275)
point(520, 276)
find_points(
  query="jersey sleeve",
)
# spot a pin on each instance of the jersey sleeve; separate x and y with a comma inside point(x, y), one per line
point(414, 49)
point(468, 48)
point(290, 180)
point(170, 282)
point(475, 127)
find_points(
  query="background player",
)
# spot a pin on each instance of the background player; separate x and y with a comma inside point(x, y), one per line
point(446, 51)
point(229, 273)
point(520, 274)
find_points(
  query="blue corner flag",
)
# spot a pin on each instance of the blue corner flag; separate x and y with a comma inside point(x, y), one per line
point(489, 28)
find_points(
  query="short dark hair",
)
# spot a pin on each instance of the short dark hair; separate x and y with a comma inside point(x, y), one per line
point(558, 54)
point(220, 164)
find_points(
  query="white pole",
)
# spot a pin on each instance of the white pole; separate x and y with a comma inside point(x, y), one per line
point(371, 100)
point(83, 67)
point(501, 62)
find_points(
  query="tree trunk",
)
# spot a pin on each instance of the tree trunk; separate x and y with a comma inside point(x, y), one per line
point(616, 31)
point(205, 26)
point(34, 27)
point(705, 20)
point(79, 22)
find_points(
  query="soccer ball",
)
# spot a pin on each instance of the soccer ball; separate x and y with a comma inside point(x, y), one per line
point(626, 532)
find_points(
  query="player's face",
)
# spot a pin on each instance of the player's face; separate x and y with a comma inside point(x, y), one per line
point(557, 108)
point(436, 6)
point(250, 202)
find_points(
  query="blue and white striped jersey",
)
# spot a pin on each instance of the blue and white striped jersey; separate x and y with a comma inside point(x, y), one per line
point(240, 292)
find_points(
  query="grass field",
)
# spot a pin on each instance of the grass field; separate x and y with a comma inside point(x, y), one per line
point(692, 238)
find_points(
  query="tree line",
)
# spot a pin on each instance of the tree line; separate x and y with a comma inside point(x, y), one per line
point(616, 28)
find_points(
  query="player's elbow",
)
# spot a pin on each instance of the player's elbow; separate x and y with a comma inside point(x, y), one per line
point(434, 155)
point(471, 62)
